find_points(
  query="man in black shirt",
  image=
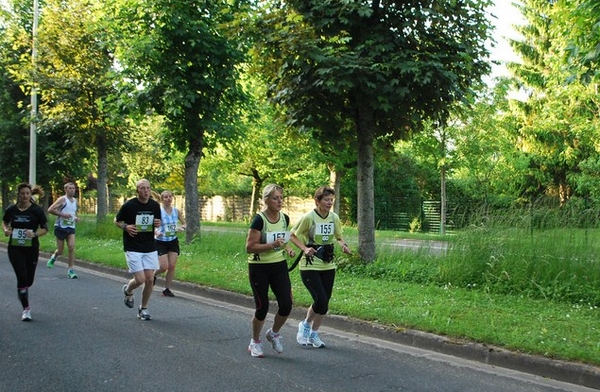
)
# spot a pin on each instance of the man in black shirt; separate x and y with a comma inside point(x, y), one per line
point(137, 218)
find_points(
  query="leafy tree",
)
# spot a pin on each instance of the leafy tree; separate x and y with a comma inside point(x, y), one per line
point(556, 121)
point(184, 62)
point(14, 141)
point(165, 169)
point(74, 71)
point(581, 31)
point(272, 152)
point(17, 81)
point(267, 151)
point(358, 70)
point(484, 155)
point(397, 189)
point(576, 26)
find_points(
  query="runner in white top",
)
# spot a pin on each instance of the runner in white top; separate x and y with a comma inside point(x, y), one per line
point(65, 208)
point(167, 242)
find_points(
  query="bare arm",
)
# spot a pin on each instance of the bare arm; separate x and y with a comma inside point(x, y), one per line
point(307, 250)
point(182, 220)
point(253, 244)
point(54, 209)
point(6, 228)
point(124, 226)
point(344, 246)
point(39, 232)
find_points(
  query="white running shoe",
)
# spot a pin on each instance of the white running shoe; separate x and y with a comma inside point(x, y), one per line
point(275, 339)
point(303, 333)
point(26, 315)
point(315, 341)
point(143, 313)
point(255, 349)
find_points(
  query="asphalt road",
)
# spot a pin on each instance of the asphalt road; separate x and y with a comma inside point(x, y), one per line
point(83, 338)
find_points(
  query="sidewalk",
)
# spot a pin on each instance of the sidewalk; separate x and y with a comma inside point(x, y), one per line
point(570, 372)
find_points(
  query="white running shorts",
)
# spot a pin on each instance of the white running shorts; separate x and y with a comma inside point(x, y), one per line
point(137, 261)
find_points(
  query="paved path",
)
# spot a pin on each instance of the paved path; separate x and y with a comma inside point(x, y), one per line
point(84, 339)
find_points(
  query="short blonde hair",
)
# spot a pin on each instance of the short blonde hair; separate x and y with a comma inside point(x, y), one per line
point(140, 182)
point(268, 191)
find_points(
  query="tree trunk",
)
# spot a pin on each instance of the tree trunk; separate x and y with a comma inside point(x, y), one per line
point(564, 190)
point(257, 183)
point(443, 201)
point(253, 201)
point(334, 182)
point(5, 197)
point(443, 154)
point(365, 182)
point(192, 210)
point(102, 207)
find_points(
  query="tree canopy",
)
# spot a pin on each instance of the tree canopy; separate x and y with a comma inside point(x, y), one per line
point(357, 70)
point(183, 61)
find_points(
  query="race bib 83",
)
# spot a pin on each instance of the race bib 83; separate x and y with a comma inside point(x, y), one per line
point(144, 223)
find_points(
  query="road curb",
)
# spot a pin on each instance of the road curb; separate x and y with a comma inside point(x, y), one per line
point(565, 371)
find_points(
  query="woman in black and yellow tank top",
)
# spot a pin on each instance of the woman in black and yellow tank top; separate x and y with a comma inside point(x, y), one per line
point(266, 245)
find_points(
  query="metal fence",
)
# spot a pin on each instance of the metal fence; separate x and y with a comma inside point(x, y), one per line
point(400, 214)
point(406, 214)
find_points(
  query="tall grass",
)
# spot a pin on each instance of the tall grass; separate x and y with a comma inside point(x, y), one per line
point(535, 255)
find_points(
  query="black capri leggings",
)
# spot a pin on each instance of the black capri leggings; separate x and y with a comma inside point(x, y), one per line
point(24, 261)
point(320, 287)
point(276, 276)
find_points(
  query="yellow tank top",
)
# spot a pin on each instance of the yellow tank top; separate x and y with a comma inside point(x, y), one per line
point(269, 233)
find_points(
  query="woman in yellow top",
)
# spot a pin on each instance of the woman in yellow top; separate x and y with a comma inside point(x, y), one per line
point(315, 233)
point(267, 267)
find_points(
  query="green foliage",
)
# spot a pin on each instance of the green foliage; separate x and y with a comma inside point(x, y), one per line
point(107, 68)
point(268, 152)
point(14, 145)
point(558, 121)
point(15, 87)
point(75, 73)
point(576, 23)
point(184, 64)
point(399, 183)
point(538, 253)
point(152, 156)
point(393, 266)
point(103, 230)
point(338, 52)
point(353, 71)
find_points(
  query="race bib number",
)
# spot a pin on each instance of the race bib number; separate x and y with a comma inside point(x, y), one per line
point(69, 222)
point(20, 239)
point(144, 223)
point(275, 235)
point(325, 230)
point(171, 230)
